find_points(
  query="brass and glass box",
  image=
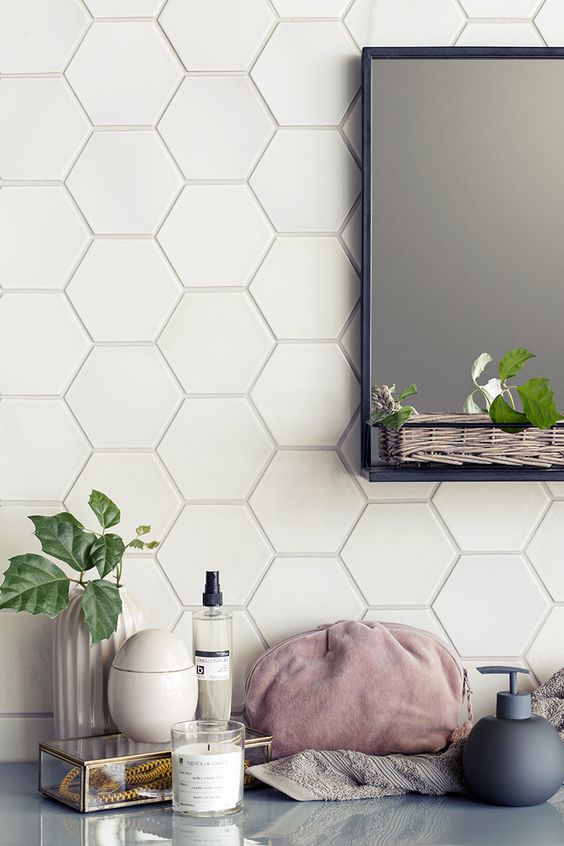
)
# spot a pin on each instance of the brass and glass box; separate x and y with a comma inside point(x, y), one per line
point(111, 771)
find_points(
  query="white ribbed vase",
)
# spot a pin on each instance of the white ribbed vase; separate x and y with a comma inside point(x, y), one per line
point(81, 670)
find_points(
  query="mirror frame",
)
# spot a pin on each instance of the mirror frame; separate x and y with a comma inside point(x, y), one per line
point(380, 472)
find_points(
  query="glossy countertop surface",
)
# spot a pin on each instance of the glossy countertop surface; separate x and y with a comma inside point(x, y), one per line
point(269, 818)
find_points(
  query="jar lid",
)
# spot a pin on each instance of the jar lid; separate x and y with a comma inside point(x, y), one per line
point(152, 651)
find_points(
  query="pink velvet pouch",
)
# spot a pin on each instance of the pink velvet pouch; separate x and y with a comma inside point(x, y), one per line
point(371, 687)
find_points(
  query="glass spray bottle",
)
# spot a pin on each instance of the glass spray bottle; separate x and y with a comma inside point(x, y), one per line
point(212, 638)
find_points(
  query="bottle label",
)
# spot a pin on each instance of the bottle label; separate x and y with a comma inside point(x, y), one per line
point(208, 782)
point(212, 666)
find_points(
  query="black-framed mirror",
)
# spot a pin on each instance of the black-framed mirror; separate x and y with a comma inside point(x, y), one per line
point(463, 229)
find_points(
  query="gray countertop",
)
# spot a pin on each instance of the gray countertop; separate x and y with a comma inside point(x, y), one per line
point(26, 819)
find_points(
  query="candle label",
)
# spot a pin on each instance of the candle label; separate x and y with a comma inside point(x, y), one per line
point(212, 666)
point(209, 783)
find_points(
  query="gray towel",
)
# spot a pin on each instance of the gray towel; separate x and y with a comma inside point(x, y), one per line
point(354, 775)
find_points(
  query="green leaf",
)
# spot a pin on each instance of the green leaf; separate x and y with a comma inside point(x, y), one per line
point(378, 416)
point(101, 605)
point(33, 583)
point(70, 518)
point(397, 419)
point(539, 404)
point(152, 545)
point(106, 553)
point(408, 392)
point(501, 412)
point(512, 363)
point(136, 544)
point(142, 530)
point(64, 539)
point(106, 511)
point(480, 365)
point(470, 405)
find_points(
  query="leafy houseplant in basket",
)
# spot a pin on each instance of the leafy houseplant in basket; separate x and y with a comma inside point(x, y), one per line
point(94, 615)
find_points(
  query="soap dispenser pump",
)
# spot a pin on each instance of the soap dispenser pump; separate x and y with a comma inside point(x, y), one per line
point(514, 758)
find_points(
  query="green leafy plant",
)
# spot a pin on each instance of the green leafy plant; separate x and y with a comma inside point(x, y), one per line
point(388, 410)
point(536, 395)
point(35, 584)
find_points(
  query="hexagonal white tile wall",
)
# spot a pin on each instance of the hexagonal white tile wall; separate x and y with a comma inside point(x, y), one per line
point(41, 343)
point(306, 502)
point(546, 655)
point(215, 343)
point(123, 397)
point(41, 237)
point(28, 658)
point(419, 618)
point(248, 648)
point(350, 449)
point(398, 554)
point(546, 551)
point(352, 128)
point(491, 605)
point(352, 235)
point(136, 483)
point(306, 394)
point(124, 290)
point(219, 537)
point(43, 128)
point(325, 595)
point(491, 515)
point(217, 34)
point(404, 22)
point(124, 8)
point(38, 37)
point(308, 73)
point(310, 8)
point(485, 688)
point(350, 341)
point(41, 449)
point(291, 180)
point(556, 489)
point(124, 182)
point(216, 127)
point(550, 21)
point(306, 288)
point(146, 580)
point(17, 531)
point(215, 448)
point(205, 216)
point(500, 8)
point(124, 72)
point(515, 33)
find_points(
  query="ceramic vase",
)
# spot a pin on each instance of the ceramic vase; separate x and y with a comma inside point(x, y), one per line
point(81, 669)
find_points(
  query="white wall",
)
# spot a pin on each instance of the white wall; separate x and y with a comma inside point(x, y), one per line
point(179, 249)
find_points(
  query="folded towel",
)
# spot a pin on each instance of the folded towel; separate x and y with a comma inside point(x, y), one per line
point(349, 775)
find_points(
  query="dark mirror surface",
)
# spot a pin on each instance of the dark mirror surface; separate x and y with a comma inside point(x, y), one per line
point(467, 172)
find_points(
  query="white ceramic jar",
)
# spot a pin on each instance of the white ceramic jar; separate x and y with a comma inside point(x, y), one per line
point(152, 685)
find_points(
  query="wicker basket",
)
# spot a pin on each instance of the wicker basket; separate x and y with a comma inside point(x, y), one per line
point(470, 439)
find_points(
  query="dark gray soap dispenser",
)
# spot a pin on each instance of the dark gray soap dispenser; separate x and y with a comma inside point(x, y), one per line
point(514, 758)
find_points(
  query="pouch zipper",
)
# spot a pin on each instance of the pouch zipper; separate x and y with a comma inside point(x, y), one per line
point(388, 626)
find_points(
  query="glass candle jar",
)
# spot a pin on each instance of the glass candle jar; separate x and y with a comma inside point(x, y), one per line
point(207, 767)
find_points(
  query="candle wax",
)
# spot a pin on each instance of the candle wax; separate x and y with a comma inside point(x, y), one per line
point(207, 777)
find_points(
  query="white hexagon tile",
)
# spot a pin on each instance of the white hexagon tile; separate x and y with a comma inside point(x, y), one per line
point(398, 554)
point(501, 8)
point(298, 594)
point(53, 337)
point(202, 461)
point(39, 37)
point(306, 288)
point(291, 180)
point(124, 397)
point(405, 22)
point(124, 73)
point(146, 580)
point(310, 8)
point(306, 394)
point(219, 537)
point(43, 128)
point(216, 127)
point(207, 215)
point(308, 73)
point(124, 8)
point(218, 34)
point(41, 237)
point(124, 290)
point(137, 164)
point(546, 551)
point(550, 22)
point(515, 33)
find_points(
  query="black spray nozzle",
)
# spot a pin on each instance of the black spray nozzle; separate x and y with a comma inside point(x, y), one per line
point(212, 593)
point(511, 671)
